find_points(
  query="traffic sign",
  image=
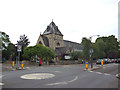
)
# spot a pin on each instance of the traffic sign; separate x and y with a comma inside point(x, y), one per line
point(19, 48)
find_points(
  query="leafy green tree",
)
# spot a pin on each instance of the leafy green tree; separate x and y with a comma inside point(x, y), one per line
point(8, 48)
point(86, 45)
point(95, 51)
point(5, 40)
point(76, 55)
point(108, 47)
point(11, 51)
point(41, 51)
point(99, 48)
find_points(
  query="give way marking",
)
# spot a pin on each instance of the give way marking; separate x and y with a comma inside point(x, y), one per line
point(64, 82)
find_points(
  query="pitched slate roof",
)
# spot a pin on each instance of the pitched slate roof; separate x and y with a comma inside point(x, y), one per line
point(45, 40)
point(52, 29)
point(76, 46)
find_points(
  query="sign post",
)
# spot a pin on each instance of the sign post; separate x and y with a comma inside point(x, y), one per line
point(19, 49)
point(91, 51)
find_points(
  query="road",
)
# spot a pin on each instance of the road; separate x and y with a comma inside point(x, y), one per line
point(62, 76)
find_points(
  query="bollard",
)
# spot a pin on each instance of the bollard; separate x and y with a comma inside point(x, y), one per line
point(22, 65)
point(13, 63)
point(86, 64)
point(102, 62)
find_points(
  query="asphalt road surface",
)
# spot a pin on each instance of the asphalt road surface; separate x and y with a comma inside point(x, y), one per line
point(61, 76)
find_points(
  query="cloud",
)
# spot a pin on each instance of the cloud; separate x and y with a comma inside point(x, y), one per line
point(74, 18)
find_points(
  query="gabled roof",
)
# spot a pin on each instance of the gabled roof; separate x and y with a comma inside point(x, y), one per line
point(52, 29)
point(45, 40)
point(74, 45)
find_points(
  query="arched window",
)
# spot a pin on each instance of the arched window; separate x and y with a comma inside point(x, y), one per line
point(58, 44)
point(40, 43)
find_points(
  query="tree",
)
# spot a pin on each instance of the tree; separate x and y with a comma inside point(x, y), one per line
point(76, 55)
point(86, 45)
point(110, 46)
point(99, 48)
point(8, 49)
point(11, 51)
point(24, 41)
point(106, 47)
point(5, 40)
point(41, 51)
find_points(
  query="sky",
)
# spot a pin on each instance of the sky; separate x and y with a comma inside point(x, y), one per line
point(75, 18)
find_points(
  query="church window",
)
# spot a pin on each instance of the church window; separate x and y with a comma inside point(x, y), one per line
point(58, 44)
point(40, 42)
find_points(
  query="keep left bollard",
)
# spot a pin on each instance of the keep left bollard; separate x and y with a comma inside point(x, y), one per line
point(22, 65)
point(13, 64)
point(101, 62)
point(86, 64)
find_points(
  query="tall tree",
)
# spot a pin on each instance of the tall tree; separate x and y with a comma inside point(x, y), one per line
point(8, 48)
point(107, 47)
point(86, 45)
point(11, 51)
point(100, 47)
point(24, 41)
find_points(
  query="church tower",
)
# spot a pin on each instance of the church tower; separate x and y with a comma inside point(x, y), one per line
point(51, 37)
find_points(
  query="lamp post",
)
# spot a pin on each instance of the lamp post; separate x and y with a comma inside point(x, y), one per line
point(91, 50)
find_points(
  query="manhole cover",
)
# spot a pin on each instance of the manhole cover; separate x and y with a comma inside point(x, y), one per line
point(38, 76)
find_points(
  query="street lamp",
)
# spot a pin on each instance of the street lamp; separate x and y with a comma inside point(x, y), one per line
point(91, 50)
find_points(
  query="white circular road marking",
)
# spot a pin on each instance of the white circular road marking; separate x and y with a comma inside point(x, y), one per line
point(38, 76)
point(2, 84)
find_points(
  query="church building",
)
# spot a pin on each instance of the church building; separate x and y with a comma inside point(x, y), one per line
point(53, 38)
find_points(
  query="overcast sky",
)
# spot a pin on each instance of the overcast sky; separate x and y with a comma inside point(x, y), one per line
point(75, 18)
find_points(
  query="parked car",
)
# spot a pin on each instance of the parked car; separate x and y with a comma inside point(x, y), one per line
point(117, 60)
point(105, 61)
point(98, 61)
point(109, 61)
point(112, 60)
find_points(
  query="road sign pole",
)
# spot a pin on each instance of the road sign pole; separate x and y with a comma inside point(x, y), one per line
point(18, 59)
point(19, 49)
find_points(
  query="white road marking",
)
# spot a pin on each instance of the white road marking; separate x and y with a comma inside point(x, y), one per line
point(65, 82)
point(74, 79)
point(99, 73)
point(90, 71)
point(2, 76)
point(56, 71)
point(104, 67)
point(2, 84)
point(106, 74)
point(37, 76)
point(27, 67)
point(58, 83)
